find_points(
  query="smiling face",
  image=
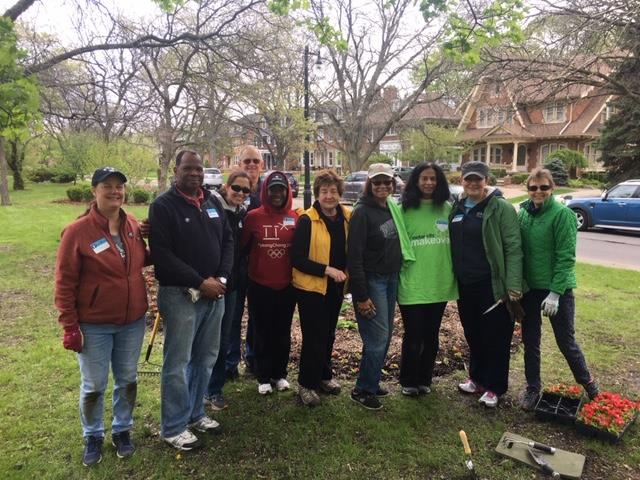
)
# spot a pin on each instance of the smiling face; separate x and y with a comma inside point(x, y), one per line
point(238, 191)
point(109, 193)
point(277, 195)
point(381, 187)
point(328, 197)
point(427, 182)
point(474, 186)
point(190, 173)
point(251, 162)
point(539, 190)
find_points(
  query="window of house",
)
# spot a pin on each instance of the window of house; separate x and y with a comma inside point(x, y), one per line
point(320, 134)
point(479, 154)
point(257, 141)
point(266, 140)
point(263, 124)
point(492, 116)
point(496, 154)
point(606, 113)
point(311, 155)
point(548, 148)
point(330, 163)
point(495, 89)
point(485, 117)
point(554, 112)
point(392, 130)
point(592, 153)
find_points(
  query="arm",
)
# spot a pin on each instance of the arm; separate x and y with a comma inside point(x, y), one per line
point(512, 247)
point(300, 249)
point(226, 250)
point(355, 255)
point(565, 230)
point(68, 265)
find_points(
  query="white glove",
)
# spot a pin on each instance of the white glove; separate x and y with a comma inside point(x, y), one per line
point(549, 305)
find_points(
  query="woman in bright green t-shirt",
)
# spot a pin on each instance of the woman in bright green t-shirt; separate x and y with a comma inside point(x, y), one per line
point(428, 283)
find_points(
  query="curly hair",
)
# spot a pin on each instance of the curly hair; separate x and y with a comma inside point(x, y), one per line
point(412, 195)
point(326, 178)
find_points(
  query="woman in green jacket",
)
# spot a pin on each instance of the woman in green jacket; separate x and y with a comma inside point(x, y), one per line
point(548, 231)
point(487, 262)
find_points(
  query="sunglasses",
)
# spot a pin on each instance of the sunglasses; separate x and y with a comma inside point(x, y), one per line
point(377, 183)
point(255, 161)
point(534, 188)
point(238, 189)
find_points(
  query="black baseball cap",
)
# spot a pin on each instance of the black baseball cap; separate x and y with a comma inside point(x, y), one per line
point(277, 178)
point(101, 174)
point(479, 169)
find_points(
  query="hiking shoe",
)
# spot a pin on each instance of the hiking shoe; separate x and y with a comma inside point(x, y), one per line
point(424, 389)
point(592, 389)
point(92, 450)
point(410, 391)
point(122, 442)
point(470, 387)
point(330, 386)
point(216, 402)
point(183, 441)
point(205, 425)
point(308, 397)
point(281, 384)
point(489, 398)
point(265, 389)
point(367, 400)
point(529, 399)
point(382, 392)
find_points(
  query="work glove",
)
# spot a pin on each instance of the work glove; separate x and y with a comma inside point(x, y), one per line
point(514, 295)
point(549, 305)
point(73, 339)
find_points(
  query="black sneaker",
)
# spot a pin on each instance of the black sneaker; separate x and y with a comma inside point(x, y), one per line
point(592, 389)
point(92, 450)
point(367, 400)
point(529, 399)
point(382, 392)
point(122, 442)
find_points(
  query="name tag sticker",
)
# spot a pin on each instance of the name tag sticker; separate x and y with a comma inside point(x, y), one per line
point(288, 222)
point(100, 246)
point(212, 212)
point(442, 225)
point(457, 218)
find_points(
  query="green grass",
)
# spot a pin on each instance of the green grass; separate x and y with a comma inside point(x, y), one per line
point(274, 437)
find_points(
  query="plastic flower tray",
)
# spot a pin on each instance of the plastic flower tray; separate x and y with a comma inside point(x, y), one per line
point(605, 435)
point(557, 408)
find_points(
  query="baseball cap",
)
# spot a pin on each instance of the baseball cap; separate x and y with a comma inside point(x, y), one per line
point(376, 169)
point(101, 174)
point(277, 178)
point(478, 169)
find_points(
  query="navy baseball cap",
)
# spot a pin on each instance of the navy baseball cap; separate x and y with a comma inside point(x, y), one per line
point(101, 174)
point(278, 178)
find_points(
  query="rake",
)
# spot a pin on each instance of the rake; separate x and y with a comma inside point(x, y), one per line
point(146, 367)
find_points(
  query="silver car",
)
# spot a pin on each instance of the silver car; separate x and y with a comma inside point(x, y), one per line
point(354, 186)
point(212, 178)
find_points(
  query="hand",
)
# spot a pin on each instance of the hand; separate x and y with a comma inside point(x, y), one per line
point(338, 275)
point(550, 304)
point(514, 295)
point(73, 338)
point(366, 308)
point(212, 288)
point(145, 227)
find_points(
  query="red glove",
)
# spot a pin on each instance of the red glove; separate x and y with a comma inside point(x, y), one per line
point(73, 339)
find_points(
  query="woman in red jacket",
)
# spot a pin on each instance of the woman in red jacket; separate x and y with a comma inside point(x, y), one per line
point(101, 296)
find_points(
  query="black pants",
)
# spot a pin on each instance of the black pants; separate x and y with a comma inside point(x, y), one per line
point(271, 312)
point(420, 343)
point(563, 330)
point(318, 319)
point(488, 336)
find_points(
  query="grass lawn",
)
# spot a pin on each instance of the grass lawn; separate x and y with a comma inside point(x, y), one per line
point(273, 437)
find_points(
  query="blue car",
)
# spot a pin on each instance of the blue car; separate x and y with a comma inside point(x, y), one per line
point(618, 208)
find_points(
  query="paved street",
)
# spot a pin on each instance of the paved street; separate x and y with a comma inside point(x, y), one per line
point(612, 249)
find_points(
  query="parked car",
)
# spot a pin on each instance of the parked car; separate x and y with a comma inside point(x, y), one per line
point(212, 178)
point(293, 181)
point(454, 192)
point(618, 208)
point(403, 172)
point(354, 186)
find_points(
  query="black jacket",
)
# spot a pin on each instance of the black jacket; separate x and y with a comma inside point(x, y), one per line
point(235, 217)
point(189, 245)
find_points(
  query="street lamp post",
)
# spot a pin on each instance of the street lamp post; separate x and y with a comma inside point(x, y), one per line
point(307, 168)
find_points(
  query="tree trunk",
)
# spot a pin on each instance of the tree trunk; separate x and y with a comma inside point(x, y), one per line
point(4, 184)
point(15, 162)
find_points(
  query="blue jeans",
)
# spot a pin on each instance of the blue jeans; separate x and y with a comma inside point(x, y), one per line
point(191, 342)
point(234, 351)
point(376, 332)
point(218, 375)
point(104, 344)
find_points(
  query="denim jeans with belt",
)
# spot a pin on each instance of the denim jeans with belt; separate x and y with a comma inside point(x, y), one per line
point(563, 329)
point(219, 373)
point(191, 343)
point(105, 344)
point(376, 331)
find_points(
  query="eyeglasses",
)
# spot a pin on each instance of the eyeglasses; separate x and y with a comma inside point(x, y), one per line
point(534, 188)
point(377, 183)
point(238, 189)
point(255, 161)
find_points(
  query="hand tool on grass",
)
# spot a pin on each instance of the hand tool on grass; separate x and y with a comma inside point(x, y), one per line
point(156, 369)
point(509, 442)
point(467, 450)
point(542, 464)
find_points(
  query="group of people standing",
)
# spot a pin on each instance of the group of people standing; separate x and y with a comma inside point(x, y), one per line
point(209, 250)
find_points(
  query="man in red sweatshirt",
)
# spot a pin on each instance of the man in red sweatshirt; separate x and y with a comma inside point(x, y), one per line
point(268, 235)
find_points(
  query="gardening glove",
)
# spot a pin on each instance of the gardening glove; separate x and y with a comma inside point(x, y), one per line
point(514, 295)
point(73, 339)
point(549, 305)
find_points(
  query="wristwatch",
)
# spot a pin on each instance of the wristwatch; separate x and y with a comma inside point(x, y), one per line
point(223, 280)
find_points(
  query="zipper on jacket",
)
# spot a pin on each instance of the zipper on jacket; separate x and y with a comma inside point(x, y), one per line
point(94, 296)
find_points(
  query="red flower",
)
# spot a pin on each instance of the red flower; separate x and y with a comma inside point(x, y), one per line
point(609, 411)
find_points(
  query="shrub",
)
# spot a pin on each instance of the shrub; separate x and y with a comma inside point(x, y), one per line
point(139, 195)
point(598, 176)
point(499, 172)
point(576, 183)
point(63, 176)
point(558, 171)
point(492, 179)
point(519, 178)
point(51, 174)
point(569, 158)
point(453, 178)
point(80, 193)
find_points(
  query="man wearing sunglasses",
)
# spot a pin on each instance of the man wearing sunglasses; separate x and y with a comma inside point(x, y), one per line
point(252, 163)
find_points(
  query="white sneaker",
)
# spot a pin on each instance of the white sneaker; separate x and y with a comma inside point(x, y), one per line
point(490, 399)
point(281, 384)
point(265, 389)
point(205, 425)
point(469, 387)
point(183, 441)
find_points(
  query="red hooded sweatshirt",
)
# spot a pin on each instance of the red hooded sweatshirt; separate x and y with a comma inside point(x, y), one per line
point(268, 233)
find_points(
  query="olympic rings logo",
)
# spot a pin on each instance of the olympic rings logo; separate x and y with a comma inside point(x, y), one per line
point(276, 253)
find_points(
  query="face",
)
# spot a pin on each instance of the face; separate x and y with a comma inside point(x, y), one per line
point(537, 194)
point(190, 173)
point(238, 190)
point(427, 182)
point(328, 197)
point(251, 162)
point(109, 194)
point(381, 186)
point(277, 196)
point(474, 185)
